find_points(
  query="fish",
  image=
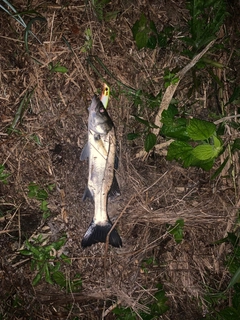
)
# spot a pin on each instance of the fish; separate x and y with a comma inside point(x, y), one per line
point(101, 152)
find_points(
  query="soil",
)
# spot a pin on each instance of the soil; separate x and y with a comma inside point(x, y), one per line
point(43, 128)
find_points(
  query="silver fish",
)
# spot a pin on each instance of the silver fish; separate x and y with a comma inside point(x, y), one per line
point(100, 149)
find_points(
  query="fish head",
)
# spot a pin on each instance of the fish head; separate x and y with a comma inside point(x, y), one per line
point(99, 121)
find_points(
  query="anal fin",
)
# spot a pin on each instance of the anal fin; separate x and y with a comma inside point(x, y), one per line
point(87, 194)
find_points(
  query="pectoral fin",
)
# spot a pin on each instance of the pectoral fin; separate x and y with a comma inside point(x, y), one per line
point(87, 194)
point(114, 190)
point(85, 152)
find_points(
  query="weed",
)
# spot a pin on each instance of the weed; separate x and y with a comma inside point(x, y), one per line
point(146, 263)
point(11, 11)
point(196, 141)
point(206, 19)
point(35, 192)
point(3, 174)
point(24, 105)
point(177, 230)
point(57, 68)
point(46, 261)
point(146, 35)
point(157, 308)
point(88, 41)
point(232, 293)
point(169, 78)
point(99, 8)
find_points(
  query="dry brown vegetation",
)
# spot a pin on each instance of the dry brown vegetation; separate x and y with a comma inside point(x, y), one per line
point(154, 192)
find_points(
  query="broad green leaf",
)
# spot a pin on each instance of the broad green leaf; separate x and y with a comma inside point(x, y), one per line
point(150, 141)
point(204, 164)
point(180, 150)
point(176, 129)
point(200, 129)
point(135, 29)
point(204, 152)
point(153, 26)
point(217, 142)
point(141, 39)
point(152, 42)
point(169, 114)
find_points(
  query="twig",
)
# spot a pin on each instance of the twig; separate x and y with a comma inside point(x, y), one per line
point(172, 88)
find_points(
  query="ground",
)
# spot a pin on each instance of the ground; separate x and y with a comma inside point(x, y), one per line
point(43, 129)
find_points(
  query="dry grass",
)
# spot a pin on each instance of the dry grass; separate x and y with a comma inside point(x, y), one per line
point(154, 192)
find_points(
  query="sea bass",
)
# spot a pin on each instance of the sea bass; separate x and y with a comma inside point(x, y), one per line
point(100, 149)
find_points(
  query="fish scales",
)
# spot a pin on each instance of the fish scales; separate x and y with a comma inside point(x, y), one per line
point(100, 150)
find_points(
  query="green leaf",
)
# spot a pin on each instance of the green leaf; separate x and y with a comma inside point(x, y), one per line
point(58, 244)
point(200, 129)
point(36, 279)
point(150, 141)
point(51, 187)
point(60, 69)
point(141, 120)
point(36, 192)
point(219, 170)
point(236, 145)
point(44, 205)
point(235, 96)
point(141, 39)
point(152, 42)
point(175, 129)
point(179, 150)
point(65, 258)
point(177, 230)
point(59, 278)
point(217, 142)
point(47, 274)
point(169, 114)
point(205, 152)
point(132, 136)
point(236, 301)
point(25, 252)
point(135, 29)
point(229, 313)
point(235, 279)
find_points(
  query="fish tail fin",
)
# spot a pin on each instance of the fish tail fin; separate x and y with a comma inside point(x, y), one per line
point(98, 233)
